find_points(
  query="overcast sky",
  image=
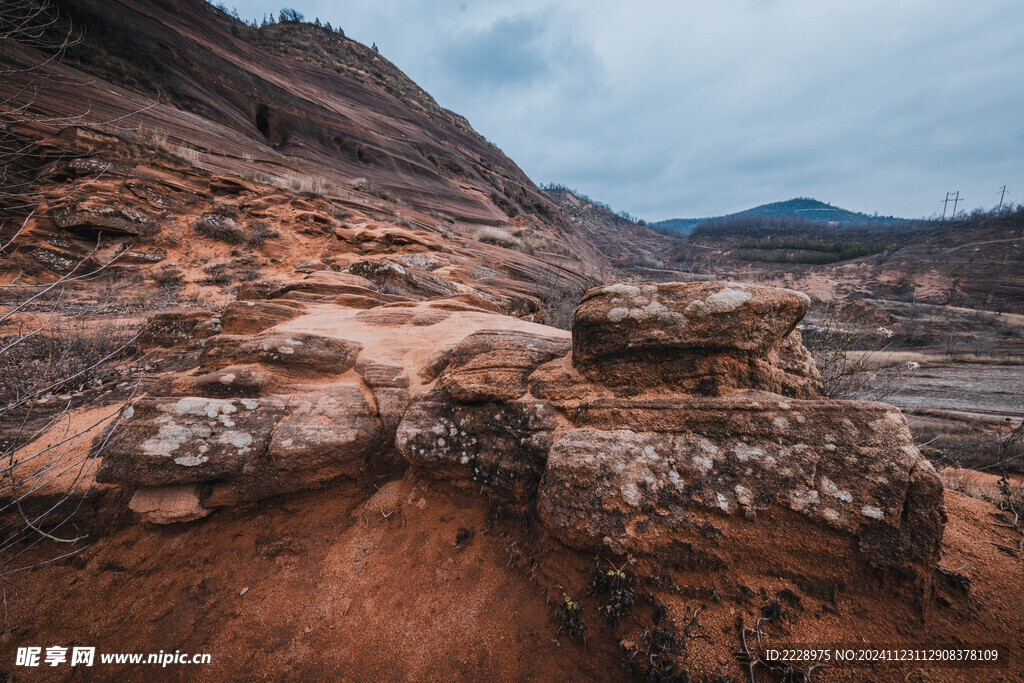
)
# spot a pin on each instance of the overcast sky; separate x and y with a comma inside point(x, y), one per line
point(680, 109)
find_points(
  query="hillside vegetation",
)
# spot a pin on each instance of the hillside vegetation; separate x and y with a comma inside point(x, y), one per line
point(800, 209)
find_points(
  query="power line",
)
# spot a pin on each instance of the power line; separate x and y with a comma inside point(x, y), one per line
point(956, 200)
point(1002, 193)
point(944, 203)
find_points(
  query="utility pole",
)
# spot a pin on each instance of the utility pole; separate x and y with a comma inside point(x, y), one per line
point(1002, 193)
point(945, 202)
point(956, 200)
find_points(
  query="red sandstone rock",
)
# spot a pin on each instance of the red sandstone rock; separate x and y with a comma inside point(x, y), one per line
point(710, 338)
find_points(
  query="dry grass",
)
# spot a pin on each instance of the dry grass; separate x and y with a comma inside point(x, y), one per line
point(500, 238)
point(308, 184)
point(374, 190)
point(1010, 496)
point(539, 242)
point(162, 143)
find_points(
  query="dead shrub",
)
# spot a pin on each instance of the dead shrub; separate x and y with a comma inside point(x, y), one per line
point(220, 227)
point(374, 190)
point(68, 355)
point(307, 184)
point(500, 238)
point(260, 233)
point(538, 242)
point(848, 373)
point(168, 278)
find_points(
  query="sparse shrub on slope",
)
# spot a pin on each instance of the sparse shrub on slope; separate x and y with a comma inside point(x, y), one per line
point(500, 238)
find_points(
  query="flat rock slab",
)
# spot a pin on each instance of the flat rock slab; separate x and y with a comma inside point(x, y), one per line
point(296, 351)
point(250, 317)
point(189, 439)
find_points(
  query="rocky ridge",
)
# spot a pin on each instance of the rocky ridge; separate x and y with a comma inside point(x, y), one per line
point(677, 468)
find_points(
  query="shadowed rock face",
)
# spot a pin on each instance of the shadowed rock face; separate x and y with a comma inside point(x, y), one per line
point(666, 427)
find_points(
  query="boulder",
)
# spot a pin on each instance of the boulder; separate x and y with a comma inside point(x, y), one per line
point(708, 338)
point(644, 476)
point(681, 422)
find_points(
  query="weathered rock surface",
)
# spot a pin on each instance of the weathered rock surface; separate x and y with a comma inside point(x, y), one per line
point(250, 317)
point(232, 381)
point(169, 504)
point(260, 447)
point(638, 476)
point(666, 427)
point(502, 445)
point(709, 338)
point(492, 365)
point(325, 435)
point(189, 439)
point(299, 351)
point(100, 218)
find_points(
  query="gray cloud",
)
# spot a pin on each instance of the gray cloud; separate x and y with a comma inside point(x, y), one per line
point(505, 53)
point(684, 109)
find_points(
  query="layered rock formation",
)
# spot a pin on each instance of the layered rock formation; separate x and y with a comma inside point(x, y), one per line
point(678, 422)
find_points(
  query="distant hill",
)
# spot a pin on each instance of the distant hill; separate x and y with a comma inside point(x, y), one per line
point(621, 238)
point(800, 207)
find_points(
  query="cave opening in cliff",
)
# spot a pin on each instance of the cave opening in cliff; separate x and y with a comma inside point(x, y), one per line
point(263, 121)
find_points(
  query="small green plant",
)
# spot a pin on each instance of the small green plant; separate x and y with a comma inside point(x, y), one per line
point(618, 587)
point(572, 622)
